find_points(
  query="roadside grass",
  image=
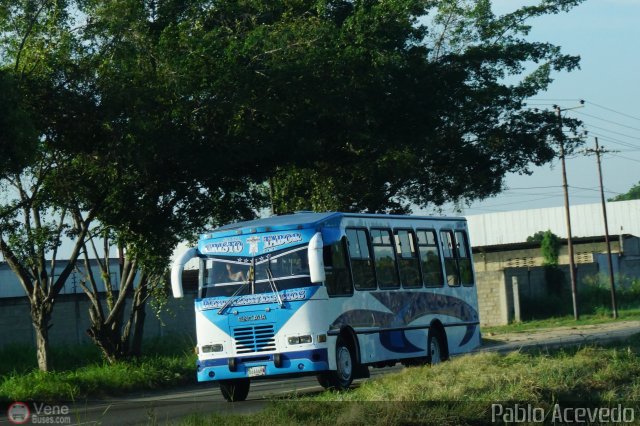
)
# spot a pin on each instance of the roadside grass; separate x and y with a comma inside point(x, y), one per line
point(564, 321)
point(462, 391)
point(80, 372)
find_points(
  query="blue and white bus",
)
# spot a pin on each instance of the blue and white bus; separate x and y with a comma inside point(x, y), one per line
point(330, 294)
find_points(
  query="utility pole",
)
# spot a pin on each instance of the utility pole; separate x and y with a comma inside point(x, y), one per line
point(565, 187)
point(614, 304)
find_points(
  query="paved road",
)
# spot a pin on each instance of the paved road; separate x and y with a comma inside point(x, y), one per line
point(161, 407)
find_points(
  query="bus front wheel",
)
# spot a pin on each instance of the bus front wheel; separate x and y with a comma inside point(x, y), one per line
point(235, 389)
point(342, 377)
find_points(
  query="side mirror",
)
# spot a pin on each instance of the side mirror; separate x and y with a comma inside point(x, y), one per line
point(316, 259)
point(176, 271)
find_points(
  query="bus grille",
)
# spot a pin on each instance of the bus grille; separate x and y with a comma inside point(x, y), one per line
point(259, 338)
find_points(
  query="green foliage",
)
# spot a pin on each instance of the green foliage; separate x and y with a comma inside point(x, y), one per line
point(594, 297)
point(17, 138)
point(99, 380)
point(80, 371)
point(632, 194)
point(595, 293)
point(558, 320)
point(21, 359)
point(536, 238)
point(549, 246)
point(430, 120)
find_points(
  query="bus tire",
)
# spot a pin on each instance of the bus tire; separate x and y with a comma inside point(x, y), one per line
point(235, 389)
point(324, 380)
point(436, 346)
point(342, 377)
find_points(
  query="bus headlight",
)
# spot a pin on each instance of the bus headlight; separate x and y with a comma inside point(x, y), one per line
point(296, 340)
point(217, 347)
point(305, 339)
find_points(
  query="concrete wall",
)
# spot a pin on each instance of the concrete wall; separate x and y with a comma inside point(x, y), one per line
point(500, 292)
point(492, 298)
point(584, 253)
point(10, 285)
point(70, 320)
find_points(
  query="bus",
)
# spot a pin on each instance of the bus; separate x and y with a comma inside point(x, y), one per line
point(329, 294)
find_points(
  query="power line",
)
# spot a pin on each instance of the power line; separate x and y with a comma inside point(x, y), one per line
point(613, 110)
point(613, 131)
point(587, 102)
point(614, 140)
point(591, 189)
point(554, 100)
point(626, 158)
point(520, 202)
point(535, 187)
point(606, 120)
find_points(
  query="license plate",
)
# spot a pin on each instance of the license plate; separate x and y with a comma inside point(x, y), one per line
point(259, 370)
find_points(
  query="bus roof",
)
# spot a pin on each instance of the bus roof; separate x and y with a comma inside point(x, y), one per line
point(304, 220)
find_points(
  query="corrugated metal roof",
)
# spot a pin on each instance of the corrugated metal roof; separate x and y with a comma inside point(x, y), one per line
point(586, 221)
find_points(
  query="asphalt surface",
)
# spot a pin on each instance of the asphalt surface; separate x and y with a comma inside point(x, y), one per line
point(171, 405)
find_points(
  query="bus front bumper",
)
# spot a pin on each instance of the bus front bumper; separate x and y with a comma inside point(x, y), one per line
point(259, 365)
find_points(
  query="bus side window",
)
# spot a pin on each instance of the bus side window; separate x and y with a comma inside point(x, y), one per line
point(449, 250)
point(464, 260)
point(360, 256)
point(408, 259)
point(338, 281)
point(384, 259)
point(430, 258)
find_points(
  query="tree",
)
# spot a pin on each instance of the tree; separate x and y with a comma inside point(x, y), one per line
point(632, 194)
point(550, 248)
point(35, 42)
point(396, 110)
point(111, 139)
point(139, 154)
point(180, 111)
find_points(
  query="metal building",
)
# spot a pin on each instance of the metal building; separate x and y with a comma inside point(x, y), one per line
point(586, 221)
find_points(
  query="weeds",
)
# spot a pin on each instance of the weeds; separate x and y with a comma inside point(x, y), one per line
point(80, 371)
point(460, 391)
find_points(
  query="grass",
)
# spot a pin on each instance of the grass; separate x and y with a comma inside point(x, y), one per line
point(564, 321)
point(462, 391)
point(79, 372)
point(455, 392)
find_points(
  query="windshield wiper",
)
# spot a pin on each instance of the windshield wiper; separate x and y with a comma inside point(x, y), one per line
point(273, 285)
point(234, 296)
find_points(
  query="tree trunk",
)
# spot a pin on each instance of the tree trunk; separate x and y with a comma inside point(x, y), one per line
point(40, 318)
point(138, 317)
point(107, 340)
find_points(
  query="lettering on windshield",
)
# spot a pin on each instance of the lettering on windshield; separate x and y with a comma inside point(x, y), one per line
point(255, 299)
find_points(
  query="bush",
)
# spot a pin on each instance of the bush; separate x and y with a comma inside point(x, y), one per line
point(554, 305)
point(594, 296)
point(595, 293)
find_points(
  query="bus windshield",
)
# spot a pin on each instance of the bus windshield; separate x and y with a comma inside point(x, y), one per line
point(289, 269)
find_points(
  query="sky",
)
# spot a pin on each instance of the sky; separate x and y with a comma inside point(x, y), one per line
point(606, 35)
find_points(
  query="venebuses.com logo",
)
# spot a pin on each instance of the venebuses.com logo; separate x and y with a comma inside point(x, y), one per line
point(18, 413)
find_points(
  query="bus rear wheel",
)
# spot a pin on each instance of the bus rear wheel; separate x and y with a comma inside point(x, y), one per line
point(436, 346)
point(235, 389)
point(342, 377)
